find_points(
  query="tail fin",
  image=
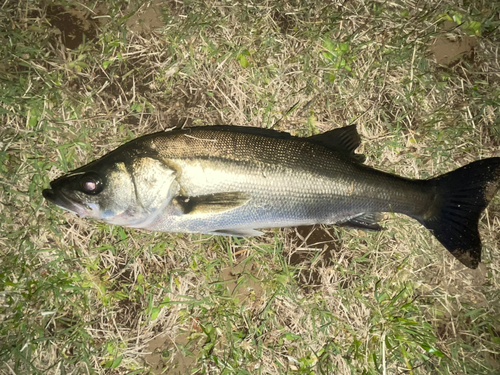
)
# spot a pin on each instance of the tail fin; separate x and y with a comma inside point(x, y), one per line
point(461, 197)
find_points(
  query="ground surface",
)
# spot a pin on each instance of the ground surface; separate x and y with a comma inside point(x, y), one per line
point(77, 79)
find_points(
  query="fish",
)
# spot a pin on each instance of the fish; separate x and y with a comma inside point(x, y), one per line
point(237, 180)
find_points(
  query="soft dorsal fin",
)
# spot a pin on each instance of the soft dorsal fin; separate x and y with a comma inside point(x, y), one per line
point(344, 139)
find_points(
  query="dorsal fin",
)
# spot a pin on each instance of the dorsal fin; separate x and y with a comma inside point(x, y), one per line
point(345, 140)
point(270, 133)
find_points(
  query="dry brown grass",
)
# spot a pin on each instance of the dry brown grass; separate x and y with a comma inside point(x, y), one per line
point(82, 297)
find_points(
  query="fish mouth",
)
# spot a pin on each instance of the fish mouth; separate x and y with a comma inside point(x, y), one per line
point(59, 199)
point(50, 195)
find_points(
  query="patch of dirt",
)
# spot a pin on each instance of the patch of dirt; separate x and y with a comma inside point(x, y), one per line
point(74, 25)
point(285, 21)
point(241, 281)
point(470, 284)
point(130, 311)
point(450, 47)
point(101, 14)
point(308, 239)
point(188, 104)
point(117, 85)
point(167, 357)
point(147, 18)
point(460, 281)
point(178, 113)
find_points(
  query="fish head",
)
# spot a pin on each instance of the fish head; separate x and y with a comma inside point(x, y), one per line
point(125, 188)
point(99, 190)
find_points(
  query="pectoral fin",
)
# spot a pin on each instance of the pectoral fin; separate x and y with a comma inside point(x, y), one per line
point(210, 203)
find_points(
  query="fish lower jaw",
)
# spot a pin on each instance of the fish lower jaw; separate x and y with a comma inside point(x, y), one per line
point(128, 219)
point(79, 214)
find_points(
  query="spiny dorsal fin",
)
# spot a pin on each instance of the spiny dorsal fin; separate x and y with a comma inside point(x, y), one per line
point(263, 132)
point(210, 203)
point(344, 139)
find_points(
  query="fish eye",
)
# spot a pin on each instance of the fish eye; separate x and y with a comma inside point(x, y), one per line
point(91, 183)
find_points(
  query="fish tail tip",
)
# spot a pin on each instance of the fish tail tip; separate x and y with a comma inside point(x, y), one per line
point(462, 195)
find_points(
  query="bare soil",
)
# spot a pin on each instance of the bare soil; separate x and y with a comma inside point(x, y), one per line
point(73, 25)
point(166, 353)
point(147, 18)
point(448, 48)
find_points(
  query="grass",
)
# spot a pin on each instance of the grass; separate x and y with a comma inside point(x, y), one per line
point(81, 297)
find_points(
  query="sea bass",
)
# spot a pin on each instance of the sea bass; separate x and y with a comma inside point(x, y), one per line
point(230, 180)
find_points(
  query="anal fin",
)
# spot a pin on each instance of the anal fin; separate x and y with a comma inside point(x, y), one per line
point(239, 232)
point(364, 221)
